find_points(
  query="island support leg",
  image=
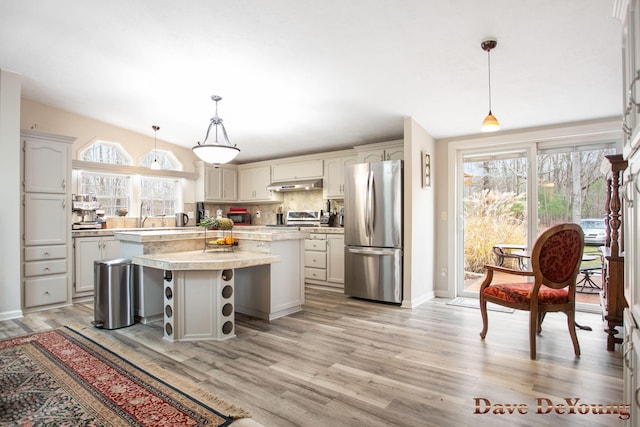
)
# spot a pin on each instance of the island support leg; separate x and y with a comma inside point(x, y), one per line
point(199, 305)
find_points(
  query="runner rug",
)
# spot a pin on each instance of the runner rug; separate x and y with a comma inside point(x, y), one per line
point(62, 377)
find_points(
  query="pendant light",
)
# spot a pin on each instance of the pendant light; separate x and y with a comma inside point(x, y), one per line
point(490, 123)
point(155, 165)
point(217, 152)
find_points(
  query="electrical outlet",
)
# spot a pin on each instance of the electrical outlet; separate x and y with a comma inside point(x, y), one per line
point(443, 271)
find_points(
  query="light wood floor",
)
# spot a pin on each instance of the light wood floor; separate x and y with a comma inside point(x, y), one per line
point(346, 362)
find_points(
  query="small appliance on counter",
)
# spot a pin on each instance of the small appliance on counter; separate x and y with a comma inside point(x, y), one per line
point(239, 216)
point(200, 212)
point(84, 211)
point(301, 218)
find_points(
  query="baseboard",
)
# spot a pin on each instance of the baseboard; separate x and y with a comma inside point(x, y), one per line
point(9, 315)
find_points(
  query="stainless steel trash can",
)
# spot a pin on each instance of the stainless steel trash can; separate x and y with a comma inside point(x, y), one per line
point(113, 293)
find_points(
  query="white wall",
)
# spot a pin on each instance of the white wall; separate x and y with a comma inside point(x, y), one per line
point(10, 195)
point(419, 209)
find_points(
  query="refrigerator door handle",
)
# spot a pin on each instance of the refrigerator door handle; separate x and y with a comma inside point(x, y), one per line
point(370, 201)
point(372, 251)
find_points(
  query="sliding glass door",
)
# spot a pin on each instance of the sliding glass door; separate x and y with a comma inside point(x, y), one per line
point(508, 198)
point(495, 212)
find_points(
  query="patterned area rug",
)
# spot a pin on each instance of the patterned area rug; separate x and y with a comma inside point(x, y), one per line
point(62, 377)
point(475, 303)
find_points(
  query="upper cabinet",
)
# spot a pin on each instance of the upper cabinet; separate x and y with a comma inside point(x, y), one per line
point(253, 182)
point(392, 150)
point(334, 175)
point(47, 167)
point(216, 184)
point(297, 170)
point(631, 76)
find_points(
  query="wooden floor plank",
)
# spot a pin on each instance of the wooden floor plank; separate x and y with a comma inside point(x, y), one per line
point(347, 362)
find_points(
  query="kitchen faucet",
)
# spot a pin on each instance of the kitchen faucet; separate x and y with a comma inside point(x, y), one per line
point(141, 220)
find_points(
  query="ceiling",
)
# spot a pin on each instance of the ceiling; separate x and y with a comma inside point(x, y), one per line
point(303, 76)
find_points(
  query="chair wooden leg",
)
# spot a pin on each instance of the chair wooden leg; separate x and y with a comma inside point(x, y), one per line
point(540, 319)
point(572, 331)
point(533, 330)
point(485, 319)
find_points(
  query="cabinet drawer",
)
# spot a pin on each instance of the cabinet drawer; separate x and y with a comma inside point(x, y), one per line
point(315, 273)
point(36, 253)
point(40, 268)
point(317, 236)
point(45, 290)
point(315, 245)
point(315, 259)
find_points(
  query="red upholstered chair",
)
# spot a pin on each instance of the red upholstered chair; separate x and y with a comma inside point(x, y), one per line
point(555, 264)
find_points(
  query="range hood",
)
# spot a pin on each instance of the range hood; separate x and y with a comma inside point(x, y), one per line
point(299, 185)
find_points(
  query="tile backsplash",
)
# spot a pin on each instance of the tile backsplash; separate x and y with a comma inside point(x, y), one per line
point(295, 200)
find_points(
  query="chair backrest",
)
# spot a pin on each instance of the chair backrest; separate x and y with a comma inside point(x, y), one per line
point(557, 254)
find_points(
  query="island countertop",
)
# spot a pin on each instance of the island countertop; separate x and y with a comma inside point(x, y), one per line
point(264, 234)
point(199, 260)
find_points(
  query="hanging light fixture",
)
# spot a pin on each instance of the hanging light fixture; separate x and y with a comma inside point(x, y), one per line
point(216, 152)
point(490, 123)
point(155, 165)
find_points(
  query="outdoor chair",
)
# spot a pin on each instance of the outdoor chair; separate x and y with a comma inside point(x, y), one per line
point(555, 263)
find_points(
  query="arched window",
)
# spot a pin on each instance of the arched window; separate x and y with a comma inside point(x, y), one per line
point(105, 152)
point(166, 159)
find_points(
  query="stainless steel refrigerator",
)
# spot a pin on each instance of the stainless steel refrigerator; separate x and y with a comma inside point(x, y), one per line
point(373, 231)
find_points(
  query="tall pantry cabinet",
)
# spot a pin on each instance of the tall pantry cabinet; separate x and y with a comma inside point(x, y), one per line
point(630, 192)
point(46, 216)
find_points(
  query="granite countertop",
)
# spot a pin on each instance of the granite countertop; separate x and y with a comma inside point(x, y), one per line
point(199, 260)
point(251, 232)
point(156, 235)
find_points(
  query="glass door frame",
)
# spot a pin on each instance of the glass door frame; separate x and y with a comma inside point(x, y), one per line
point(530, 150)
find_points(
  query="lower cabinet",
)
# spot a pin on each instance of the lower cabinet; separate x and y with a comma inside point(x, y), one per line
point(86, 250)
point(46, 275)
point(335, 260)
point(631, 362)
point(324, 260)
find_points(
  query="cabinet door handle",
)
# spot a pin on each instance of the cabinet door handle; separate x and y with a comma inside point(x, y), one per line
point(632, 88)
point(46, 269)
point(64, 204)
point(46, 253)
point(64, 184)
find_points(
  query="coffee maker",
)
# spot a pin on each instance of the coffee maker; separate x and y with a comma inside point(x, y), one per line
point(200, 212)
point(84, 213)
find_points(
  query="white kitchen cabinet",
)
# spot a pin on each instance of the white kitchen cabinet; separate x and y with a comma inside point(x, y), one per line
point(46, 170)
point(216, 184)
point(46, 220)
point(303, 169)
point(253, 182)
point(380, 151)
point(629, 366)
point(334, 175)
point(324, 259)
point(86, 250)
point(631, 76)
point(630, 191)
point(335, 259)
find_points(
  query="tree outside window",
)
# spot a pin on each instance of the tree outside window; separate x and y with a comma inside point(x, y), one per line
point(160, 195)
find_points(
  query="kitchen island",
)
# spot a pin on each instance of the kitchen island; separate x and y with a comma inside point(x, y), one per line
point(264, 275)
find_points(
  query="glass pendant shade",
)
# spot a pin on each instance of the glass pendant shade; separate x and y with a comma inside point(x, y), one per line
point(217, 152)
point(155, 165)
point(490, 123)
